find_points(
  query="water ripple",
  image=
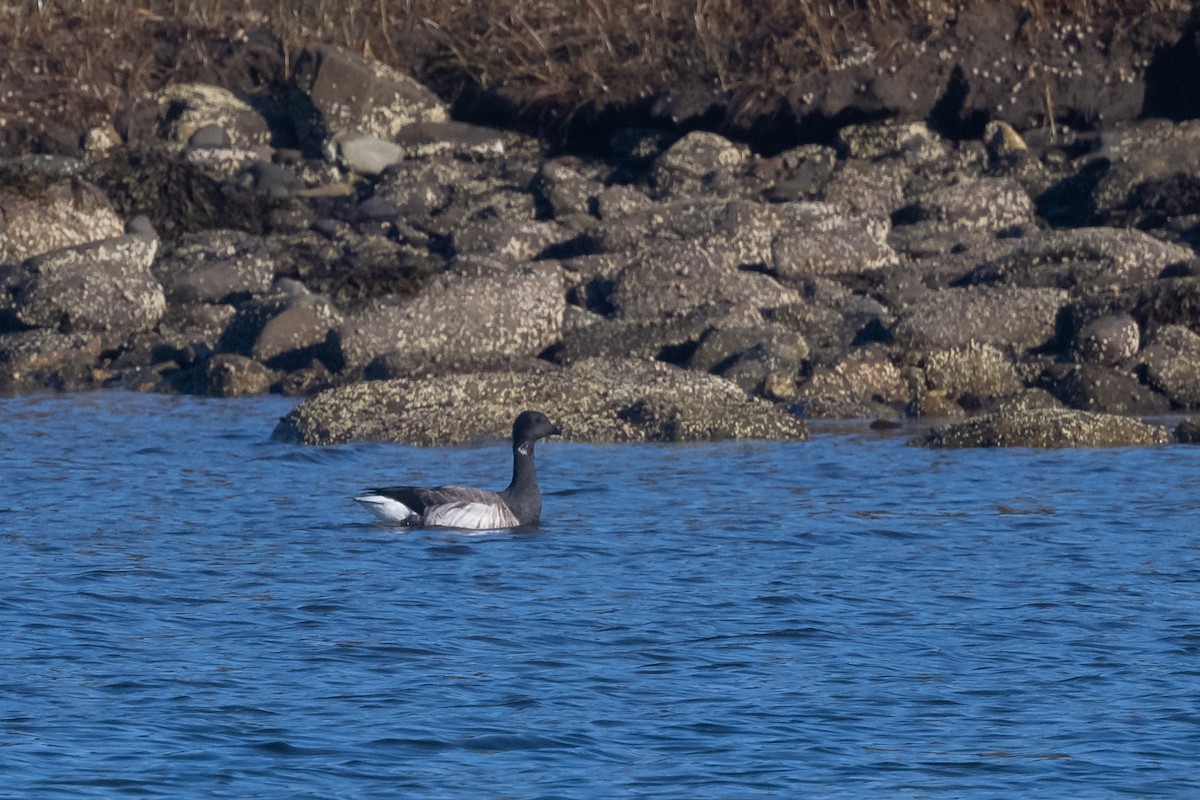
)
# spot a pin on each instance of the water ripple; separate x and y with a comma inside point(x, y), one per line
point(193, 610)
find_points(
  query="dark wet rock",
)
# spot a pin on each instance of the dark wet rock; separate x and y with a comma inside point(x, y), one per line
point(285, 330)
point(764, 359)
point(232, 375)
point(217, 266)
point(1045, 428)
point(1155, 304)
point(1086, 257)
point(1141, 153)
point(1107, 340)
point(699, 163)
point(1008, 317)
point(46, 359)
point(347, 92)
point(515, 312)
point(451, 138)
point(670, 340)
point(596, 401)
point(619, 201)
point(352, 269)
point(209, 136)
point(104, 286)
point(1091, 387)
point(565, 189)
point(1171, 361)
point(1188, 432)
point(43, 215)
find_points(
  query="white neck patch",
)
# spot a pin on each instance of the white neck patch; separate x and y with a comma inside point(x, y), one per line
point(523, 449)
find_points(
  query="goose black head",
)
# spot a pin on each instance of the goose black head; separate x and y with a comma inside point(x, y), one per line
point(531, 426)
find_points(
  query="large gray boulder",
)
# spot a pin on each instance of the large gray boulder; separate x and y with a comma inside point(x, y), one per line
point(511, 312)
point(217, 266)
point(698, 162)
point(104, 287)
point(600, 400)
point(1008, 317)
point(973, 204)
point(191, 114)
point(1172, 364)
point(670, 278)
point(1044, 428)
point(62, 214)
point(1083, 257)
point(347, 92)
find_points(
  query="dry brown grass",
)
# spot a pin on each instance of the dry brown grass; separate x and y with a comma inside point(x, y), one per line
point(569, 52)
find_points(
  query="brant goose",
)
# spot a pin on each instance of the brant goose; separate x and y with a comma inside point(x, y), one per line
point(465, 507)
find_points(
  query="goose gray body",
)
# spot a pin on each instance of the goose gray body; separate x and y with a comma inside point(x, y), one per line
point(519, 505)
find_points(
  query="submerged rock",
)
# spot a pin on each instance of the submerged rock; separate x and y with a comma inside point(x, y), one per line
point(1044, 428)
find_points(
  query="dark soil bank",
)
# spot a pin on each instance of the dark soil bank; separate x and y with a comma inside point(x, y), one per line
point(974, 219)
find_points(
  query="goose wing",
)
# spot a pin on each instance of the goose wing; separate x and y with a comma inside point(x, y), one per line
point(447, 506)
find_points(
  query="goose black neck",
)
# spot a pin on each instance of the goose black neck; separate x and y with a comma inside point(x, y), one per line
point(523, 495)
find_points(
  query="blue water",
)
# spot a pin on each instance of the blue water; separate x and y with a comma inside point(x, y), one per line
point(191, 610)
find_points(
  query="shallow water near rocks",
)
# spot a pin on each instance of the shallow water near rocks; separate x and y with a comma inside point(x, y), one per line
point(193, 610)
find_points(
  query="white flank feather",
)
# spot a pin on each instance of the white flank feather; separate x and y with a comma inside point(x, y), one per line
point(386, 508)
point(472, 516)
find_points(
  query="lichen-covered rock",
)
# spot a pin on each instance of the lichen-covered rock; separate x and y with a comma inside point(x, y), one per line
point(565, 189)
point(67, 213)
point(975, 373)
point(1045, 428)
point(104, 287)
point(347, 92)
point(184, 109)
point(600, 400)
point(911, 140)
point(1172, 364)
point(41, 359)
point(874, 188)
point(461, 140)
point(512, 312)
point(699, 162)
point(1107, 340)
point(218, 265)
point(861, 385)
point(674, 278)
point(514, 239)
point(987, 204)
point(849, 248)
point(1084, 257)
point(1008, 317)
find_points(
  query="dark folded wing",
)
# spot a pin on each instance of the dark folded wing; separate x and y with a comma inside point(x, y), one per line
point(420, 498)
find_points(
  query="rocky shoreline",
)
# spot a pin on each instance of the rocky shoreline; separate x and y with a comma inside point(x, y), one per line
point(398, 263)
